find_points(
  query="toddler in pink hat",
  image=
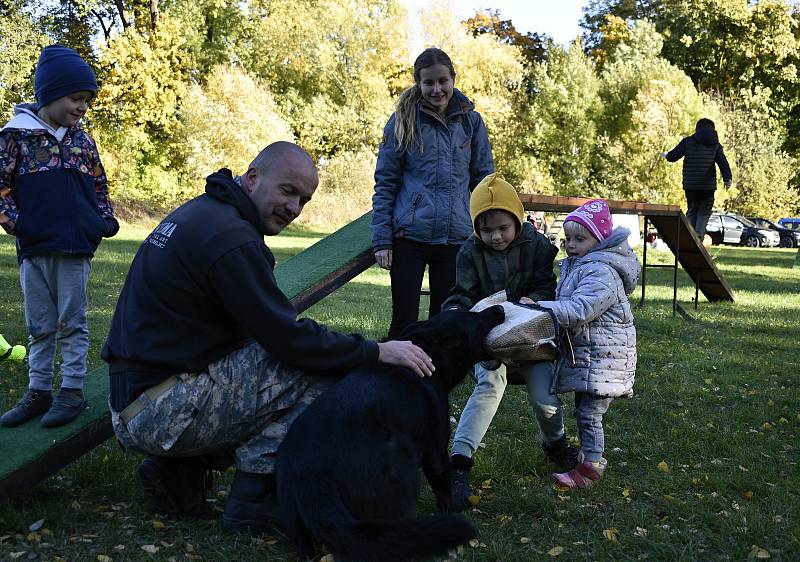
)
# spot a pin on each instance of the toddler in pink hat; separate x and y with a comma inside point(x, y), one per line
point(586, 226)
point(592, 306)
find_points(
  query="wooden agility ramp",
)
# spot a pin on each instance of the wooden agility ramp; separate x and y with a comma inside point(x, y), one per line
point(31, 453)
point(674, 229)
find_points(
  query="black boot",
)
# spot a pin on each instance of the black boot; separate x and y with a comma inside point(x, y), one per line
point(460, 489)
point(562, 454)
point(177, 486)
point(251, 505)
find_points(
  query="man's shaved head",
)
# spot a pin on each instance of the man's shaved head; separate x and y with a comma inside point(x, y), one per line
point(279, 152)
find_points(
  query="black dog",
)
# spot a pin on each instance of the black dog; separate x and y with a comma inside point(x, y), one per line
point(348, 471)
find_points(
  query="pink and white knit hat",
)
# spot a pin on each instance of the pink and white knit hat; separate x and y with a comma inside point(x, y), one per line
point(595, 216)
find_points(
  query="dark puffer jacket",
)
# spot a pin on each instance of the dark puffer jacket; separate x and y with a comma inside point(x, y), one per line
point(700, 152)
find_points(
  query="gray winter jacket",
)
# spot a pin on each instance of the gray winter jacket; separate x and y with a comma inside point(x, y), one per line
point(593, 306)
point(423, 193)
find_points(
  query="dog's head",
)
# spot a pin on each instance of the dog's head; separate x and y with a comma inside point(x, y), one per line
point(454, 339)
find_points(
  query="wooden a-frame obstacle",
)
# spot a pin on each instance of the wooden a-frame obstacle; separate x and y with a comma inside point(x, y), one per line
point(31, 453)
point(674, 229)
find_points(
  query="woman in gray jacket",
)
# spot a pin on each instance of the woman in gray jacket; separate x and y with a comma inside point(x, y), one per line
point(599, 273)
point(435, 150)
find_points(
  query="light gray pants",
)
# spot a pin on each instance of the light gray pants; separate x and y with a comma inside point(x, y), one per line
point(54, 288)
point(245, 401)
point(490, 385)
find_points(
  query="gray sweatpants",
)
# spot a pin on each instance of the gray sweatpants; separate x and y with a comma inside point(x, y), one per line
point(54, 288)
point(246, 400)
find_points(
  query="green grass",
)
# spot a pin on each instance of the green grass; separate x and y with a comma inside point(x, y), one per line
point(716, 400)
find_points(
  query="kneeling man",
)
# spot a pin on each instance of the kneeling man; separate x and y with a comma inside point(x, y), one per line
point(206, 354)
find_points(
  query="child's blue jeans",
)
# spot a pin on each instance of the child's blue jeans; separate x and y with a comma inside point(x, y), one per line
point(485, 399)
point(54, 289)
point(589, 410)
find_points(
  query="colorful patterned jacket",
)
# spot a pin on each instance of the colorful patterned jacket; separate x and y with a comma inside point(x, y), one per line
point(53, 188)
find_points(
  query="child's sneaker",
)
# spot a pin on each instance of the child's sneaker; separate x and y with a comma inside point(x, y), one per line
point(561, 453)
point(584, 475)
point(32, 404)
point(68, 404)
point(460, 490)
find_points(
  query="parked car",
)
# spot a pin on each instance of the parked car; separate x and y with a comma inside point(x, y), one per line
point(789, 238)
point(731, 229)
point(790, 223)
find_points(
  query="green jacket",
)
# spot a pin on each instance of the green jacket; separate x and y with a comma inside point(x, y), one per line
point(524, 269)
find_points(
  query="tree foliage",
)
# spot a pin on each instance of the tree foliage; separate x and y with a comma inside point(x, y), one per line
point(20, 43)
point(189, 86)
point(562, 120)
point(218, 124)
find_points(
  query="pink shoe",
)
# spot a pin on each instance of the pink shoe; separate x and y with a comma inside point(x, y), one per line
point(584, 475)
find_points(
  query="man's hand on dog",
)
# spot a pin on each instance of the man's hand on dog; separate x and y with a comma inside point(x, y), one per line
point(406, 354)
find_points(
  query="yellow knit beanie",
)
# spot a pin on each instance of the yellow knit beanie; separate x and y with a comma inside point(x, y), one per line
point(495, 193)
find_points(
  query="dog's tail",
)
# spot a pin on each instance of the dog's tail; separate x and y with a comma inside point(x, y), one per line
point(368, 540)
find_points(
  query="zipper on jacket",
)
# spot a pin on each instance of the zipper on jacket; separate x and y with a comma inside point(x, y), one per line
point(413, 209)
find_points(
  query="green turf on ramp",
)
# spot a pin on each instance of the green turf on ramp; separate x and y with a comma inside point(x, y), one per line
point(29, 453)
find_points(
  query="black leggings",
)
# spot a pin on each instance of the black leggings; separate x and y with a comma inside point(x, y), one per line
point(409, 259)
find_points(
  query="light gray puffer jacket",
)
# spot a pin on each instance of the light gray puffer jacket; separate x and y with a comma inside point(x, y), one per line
point(593, 306)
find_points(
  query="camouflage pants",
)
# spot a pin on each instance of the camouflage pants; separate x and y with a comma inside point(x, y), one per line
point(245, 401)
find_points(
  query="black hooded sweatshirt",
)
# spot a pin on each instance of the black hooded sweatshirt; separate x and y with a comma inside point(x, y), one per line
point(700, 152)
point(202, 285)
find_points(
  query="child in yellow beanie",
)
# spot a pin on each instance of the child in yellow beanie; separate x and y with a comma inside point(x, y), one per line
point(504, 253)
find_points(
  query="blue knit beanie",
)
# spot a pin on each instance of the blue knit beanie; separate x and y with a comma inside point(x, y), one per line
point(60, 72)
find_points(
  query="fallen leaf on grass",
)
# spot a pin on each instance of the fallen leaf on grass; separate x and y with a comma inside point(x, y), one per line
point(748, 495)
point(639, 532)
point(783, 420)
point(524, 540)
point(158, 524)
point(103, 558)
point(327, 558)
point(486, 484)
point(474, 543)
point(15, 555)
point(626, 492)
point(150, 548)
point(611, 534)
point(555, 551)
point(474, 500)
point(663, 466)
point(36, 525)
point(759, 553)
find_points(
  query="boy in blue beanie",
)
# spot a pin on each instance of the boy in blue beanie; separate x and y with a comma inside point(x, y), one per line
point(54, 199)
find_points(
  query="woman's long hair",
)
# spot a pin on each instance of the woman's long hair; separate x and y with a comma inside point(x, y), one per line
point(405, 123)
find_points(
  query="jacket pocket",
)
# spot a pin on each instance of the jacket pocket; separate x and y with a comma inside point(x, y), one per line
point(406, 218)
